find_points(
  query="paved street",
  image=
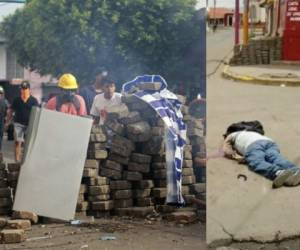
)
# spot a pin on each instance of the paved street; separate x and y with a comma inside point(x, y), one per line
point(249, 210)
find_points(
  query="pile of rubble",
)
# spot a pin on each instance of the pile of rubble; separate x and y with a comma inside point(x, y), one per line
point(13, 230)
point(263, 50)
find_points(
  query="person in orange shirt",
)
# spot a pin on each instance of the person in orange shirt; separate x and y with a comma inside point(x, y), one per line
point(68, 101)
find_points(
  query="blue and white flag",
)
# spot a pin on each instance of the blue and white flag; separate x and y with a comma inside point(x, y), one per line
point(167, 106)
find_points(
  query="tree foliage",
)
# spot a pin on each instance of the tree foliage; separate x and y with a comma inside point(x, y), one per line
point(129, 37)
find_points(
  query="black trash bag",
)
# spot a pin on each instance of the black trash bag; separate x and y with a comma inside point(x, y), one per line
point(254, 126)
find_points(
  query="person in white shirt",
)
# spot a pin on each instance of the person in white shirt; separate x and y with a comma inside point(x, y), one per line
point(102, 102)
point(262, 155)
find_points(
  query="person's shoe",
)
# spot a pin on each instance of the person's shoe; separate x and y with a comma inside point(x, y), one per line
point(293, 180)
point(281, 177)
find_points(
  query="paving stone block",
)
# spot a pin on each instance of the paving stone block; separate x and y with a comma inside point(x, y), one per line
point(98, 154)
point(160, 183)
point(97, 129)
point(154, 146)
point(144, 202)
point(89, 163)
point(103, 197)
point(90, 172)
point(12, 176)
point(121, 146)
point(120, 185)
point(82, 206)
point(188, 180)
point(3, 222)
point(138, 167)
point(187, 164)
point(123, 203)
point(3, 183)
point(14, 167)
point(159, 158)
point(5, 192)
point(2, 166)
point(143, 184)
point(165, 208)
point(184, 217)
point(19, 224)
point(187, 171)
point(99, 214)
point(9, 236)
point(141, 193)
point(195, 123)
point(99, 181)
point(5, 210)
point(159, 192)
point(121, 194)
point(118, 158)
point(97, 145)
point(99, 190)
point(115, 126)
point(185, 190)
point(132, 117)
point(103, 205)
point(3, 174)
point(138, 106)
point(113, 174)
point(138, 132)
point(98, 138)
point(187, 155)
point(159, 165)
point(135, 211)
point(80, 198)
point(113, 165)
point(5, 202)
point(132, 176)
point(184, 109)
point(140, 158)
point(159, 174)
point(188, 198)
point(157, 131)
point(117, 112)
point(83, 189)
point(198, 188)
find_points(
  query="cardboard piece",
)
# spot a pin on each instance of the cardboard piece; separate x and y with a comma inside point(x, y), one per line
point(53, 163)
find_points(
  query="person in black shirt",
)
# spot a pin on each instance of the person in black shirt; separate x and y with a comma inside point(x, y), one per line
point(21, 108)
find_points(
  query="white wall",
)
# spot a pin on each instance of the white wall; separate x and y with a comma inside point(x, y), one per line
point(2, 62)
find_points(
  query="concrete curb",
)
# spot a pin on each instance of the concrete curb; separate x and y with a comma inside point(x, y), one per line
point(227, 73)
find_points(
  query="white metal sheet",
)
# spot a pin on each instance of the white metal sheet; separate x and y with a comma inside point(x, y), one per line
point(51, 174)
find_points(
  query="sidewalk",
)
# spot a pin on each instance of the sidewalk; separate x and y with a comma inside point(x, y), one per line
point(275, 75)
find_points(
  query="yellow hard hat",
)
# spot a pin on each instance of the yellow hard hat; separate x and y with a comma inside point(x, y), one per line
point(67, 81)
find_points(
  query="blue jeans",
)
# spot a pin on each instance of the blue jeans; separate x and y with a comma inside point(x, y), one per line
point(264, 158)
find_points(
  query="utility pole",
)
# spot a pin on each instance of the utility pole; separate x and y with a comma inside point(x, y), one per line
point(237, 22)
point(246, 22)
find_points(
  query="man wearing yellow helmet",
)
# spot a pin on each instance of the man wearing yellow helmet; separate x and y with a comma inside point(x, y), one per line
point(68, 101)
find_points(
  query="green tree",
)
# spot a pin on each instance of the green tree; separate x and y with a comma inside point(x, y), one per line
point(129, 37)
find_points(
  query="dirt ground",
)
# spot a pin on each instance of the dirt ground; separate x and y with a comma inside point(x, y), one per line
point(130, 234)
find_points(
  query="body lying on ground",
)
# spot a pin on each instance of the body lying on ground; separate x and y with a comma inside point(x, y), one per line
point(262, 155)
